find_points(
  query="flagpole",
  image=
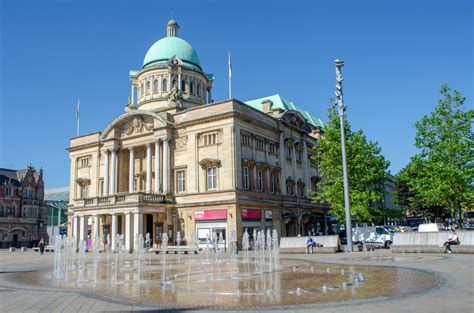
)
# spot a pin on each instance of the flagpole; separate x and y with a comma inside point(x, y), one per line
point(230, 77)
point(78, 110)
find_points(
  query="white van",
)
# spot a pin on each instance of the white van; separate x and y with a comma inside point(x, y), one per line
point(376, 235)
point(430, 227)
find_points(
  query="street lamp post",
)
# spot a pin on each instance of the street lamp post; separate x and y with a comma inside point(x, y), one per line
point(342, 108)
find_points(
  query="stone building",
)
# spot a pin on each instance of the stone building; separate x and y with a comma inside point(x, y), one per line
point(175, 160)
point(22, 209)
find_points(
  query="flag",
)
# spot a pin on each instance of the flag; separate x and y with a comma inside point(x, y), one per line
point(230, 67)
point(78, 110)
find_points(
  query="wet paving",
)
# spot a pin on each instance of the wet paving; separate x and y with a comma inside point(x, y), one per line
point(238, 283)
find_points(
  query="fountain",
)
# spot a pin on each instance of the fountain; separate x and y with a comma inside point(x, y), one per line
point(256, 278)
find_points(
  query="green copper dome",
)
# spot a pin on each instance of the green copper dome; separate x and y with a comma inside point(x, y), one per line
point(167, 47)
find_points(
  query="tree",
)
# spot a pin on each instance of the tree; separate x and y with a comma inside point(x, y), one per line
point(410, 202)
point(366, 171)
point(441, 174)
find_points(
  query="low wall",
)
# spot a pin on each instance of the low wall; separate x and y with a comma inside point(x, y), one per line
point(431, 241)
point(331, 244)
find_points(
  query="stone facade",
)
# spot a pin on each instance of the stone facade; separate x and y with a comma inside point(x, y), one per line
point(22, 209)
point(185, 163)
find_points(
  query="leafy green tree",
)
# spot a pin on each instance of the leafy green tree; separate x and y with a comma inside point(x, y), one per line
point(410, 202)
point(366, 171)
point(441, 174)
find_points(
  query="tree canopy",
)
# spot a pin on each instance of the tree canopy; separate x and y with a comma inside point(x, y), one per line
point(366, 171)
point(441, 174)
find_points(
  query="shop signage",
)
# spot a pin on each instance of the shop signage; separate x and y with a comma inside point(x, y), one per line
point(251, 214)
point(210, 215)
point(268, 215)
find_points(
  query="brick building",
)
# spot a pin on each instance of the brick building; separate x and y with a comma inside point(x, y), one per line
point(22, 209)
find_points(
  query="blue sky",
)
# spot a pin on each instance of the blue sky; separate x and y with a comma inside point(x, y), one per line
point(397, 55)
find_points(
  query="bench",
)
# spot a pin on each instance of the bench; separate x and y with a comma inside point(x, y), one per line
point(430, 242)
point(331, 244)
point(46, 249)
point(176, 250)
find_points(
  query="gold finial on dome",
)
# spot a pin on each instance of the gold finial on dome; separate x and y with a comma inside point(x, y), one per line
point(172, 29)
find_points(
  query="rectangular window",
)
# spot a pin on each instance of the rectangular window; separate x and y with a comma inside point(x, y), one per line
point(84, 162)
point(260, 144)
point(272, 148)
point(181, 181)
point(260, 180)
point(272, 183)
point(245, 178)
point(288, 152)
point(84, 190)
point(212, 178)
point(101, 186)
point(299, 155)
point(246, 140)
point(8, 192)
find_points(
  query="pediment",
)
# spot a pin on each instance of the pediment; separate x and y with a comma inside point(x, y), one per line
point(133, 123)
point(295, 119)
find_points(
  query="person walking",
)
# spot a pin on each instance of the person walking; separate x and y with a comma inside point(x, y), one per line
point(41, 246)
point(452, 240)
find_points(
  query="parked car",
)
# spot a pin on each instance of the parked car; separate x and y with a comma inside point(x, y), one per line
point(430, 227)
point(468, 220)
point(376, 235)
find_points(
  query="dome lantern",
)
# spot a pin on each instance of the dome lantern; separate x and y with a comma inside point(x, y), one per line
point(172, 29)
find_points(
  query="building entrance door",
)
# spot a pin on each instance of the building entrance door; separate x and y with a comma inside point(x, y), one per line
point(149, 226)
point(15, 240)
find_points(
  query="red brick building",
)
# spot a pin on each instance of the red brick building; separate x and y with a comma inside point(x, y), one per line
point(22, 208)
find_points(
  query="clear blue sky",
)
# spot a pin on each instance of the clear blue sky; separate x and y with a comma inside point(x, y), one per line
point(397, 54)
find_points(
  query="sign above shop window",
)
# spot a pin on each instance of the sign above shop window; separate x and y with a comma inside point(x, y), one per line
point(268, 215)
point(210, 215)
point(251, 214)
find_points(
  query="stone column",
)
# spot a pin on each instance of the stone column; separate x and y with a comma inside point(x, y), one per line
point(157, 166)
point(148, 168)
point(282, 164)
point(113, 176)
point(293, 161)
point(166, 160)
point(106, 175)
point(83, 228)
point(131, 171)
point(137, 227)
point(304, 170)
point(128, 232)
point(96, 230)
point(114, 230)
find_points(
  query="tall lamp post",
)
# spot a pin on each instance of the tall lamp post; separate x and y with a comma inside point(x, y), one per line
point(342, 108)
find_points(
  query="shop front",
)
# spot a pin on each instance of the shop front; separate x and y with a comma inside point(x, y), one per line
point(254, 221)
point(210, 223)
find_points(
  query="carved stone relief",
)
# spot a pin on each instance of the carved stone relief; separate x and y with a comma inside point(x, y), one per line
point(181, 143)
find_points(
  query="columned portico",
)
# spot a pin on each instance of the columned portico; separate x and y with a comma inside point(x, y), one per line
point(137, 227)
point(157, 166)
point(114, 230)
point(128, 231)
point(106, 175)
point(131, 170)
point(95, 234)
point(113, 176)
point(83, 228)
point(166, 160)
point(148, 168)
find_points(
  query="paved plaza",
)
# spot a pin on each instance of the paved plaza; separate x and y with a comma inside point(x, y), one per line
point(454, 293)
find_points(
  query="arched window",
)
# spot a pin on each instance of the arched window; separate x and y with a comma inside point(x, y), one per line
point(198, 90)
point(191, 88)
point(155, 85)
point(174, 82)
point(141, 90)
point(164, 85)
point(147, 88)
point(183, 86)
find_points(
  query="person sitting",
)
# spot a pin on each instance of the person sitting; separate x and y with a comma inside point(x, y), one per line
point(452, 240)
point(309, 245)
